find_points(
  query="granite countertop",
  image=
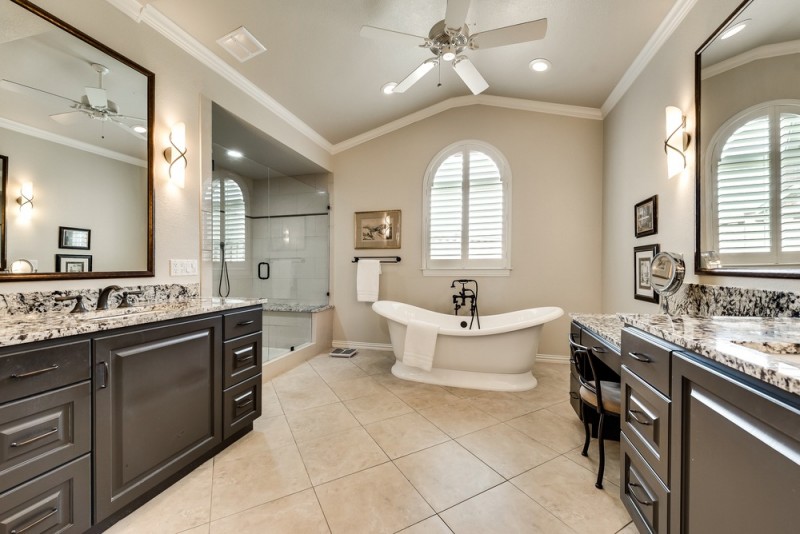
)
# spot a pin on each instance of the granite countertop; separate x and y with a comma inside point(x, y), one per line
point(766, 348)
point(27, 328)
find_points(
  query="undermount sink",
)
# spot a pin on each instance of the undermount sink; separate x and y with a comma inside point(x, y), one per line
point(778, 348)
point(114, 314)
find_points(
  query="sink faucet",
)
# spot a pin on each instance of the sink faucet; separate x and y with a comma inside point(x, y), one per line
point(102, 300)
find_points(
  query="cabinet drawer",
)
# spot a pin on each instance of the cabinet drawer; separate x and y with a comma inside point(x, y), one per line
point(605, 352)
point(238, 324)
point(241, 405)
point(646, 422)
point(48, 366)
point(56, 502)
point(42, 432)
point(242, 359)
point(647, 357)
point(642, 493)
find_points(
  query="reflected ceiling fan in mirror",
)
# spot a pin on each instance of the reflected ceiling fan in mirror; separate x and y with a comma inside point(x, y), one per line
point(448, 39)
point(94, 104)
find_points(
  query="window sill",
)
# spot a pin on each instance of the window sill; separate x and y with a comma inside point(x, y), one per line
point(466, 272)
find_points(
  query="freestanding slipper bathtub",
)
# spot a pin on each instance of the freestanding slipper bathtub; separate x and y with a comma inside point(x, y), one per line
point(497, 357)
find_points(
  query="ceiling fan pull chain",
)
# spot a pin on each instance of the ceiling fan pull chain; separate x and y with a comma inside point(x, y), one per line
point(440, 73)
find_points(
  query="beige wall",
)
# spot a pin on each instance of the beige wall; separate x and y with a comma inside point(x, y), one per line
point(184, 89)
point(555, 163)
point(634, 166)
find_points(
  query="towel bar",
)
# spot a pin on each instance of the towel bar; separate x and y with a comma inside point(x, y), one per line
point(384, 259)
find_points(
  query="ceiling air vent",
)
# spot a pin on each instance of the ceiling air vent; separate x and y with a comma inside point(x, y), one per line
point(241, 44)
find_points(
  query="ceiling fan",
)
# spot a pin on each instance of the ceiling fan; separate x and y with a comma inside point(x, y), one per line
point(94, 104)
point(448, 39)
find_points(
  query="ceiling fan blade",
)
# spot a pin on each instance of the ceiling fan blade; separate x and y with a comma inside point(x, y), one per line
point(371, 32)
point(456, 14)
point(28, 90)
point(518, 33)
point(470, 75)
point(97, 97)
point(415, 76)
point(128, 129)
point(69, 117)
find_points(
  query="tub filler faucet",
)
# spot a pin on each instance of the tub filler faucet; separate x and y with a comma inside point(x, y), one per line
point(465, 295)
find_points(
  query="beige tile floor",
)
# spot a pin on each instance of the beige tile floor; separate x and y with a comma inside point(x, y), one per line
point(345, 447)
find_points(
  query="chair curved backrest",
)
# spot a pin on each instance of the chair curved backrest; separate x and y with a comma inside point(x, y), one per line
point(584, 360)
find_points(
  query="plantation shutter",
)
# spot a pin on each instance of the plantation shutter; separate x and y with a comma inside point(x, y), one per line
point(743, 190)
point(227, 220)
point(790, 181)
point(446, 209)
point(485, 208)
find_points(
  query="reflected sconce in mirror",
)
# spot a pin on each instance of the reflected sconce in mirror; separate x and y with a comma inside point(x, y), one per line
point(176, 155)
point(25, 200)
point(677, 141)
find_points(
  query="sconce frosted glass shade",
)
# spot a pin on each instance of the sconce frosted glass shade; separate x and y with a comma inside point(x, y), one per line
point(677, 141)
point(176, 155)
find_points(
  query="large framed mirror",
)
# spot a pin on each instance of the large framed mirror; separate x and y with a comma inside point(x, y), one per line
point(748, 143)
point(76, 122)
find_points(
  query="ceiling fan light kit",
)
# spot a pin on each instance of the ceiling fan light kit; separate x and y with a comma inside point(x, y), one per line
point(450, 38)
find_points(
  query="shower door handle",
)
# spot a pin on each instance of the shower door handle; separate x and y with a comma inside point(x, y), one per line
point(260, 275)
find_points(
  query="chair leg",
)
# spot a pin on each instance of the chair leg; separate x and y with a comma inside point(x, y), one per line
point(585, 451)
point(601, 453)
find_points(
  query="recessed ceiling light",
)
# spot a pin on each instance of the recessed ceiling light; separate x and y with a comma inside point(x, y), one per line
point(241, 44)
point(539, 65)
point(235, 154)
point(388, 88)
point(139, 129)
point(733, 30)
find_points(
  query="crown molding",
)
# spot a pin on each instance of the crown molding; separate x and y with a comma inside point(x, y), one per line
point(762, 52)
point(72, 143)
point(174, 33)
point(653, 45)
point(469, 100)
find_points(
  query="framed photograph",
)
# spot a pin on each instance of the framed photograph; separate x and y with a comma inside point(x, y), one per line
point(73, 263)
point(642, 289)
point(76, 238)
point(377, 229)
point(646, 217)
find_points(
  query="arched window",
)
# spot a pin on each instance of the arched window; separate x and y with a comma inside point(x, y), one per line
point(755, 187)
point(467, 210)
point(227, 219)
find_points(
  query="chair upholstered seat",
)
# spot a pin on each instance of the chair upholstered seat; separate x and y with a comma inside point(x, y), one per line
point(611, 396)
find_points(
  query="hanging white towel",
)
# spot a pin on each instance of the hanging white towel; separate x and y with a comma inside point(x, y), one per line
point(368, 280)
point(420, 344)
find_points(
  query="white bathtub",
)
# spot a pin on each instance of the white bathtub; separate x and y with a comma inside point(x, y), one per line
point(498, 357)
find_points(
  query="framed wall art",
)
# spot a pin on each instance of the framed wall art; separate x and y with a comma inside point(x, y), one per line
point(377, 229)
point(75, 238)
point(73, 263)
point(646, 217)
point(642, 288)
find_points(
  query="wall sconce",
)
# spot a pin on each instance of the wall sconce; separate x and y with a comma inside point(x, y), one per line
point(677, 141)
point(25, 200)
point(176, 155)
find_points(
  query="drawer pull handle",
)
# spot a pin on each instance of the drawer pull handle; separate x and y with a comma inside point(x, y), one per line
point(37, 372)
point(245, 323)
point(640, 357)
point(645, 502)
point(34, 439)
point(599, 350)
point(28, 527)
point(241, 402)
point(244, 354)
point(646, 421)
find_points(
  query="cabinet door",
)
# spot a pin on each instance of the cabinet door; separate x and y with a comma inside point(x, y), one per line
point(739, 464)
point(157, 406)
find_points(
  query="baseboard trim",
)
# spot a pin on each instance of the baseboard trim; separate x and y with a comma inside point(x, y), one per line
point(552, 358)
point(339, 344)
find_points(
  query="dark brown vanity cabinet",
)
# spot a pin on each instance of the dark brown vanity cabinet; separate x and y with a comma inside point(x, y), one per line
point(736, 461)
point(45, 437)
point(157, 406)
point(241, 398)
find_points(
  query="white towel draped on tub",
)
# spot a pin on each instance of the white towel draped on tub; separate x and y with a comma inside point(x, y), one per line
point(368, 276)
point(420, 344)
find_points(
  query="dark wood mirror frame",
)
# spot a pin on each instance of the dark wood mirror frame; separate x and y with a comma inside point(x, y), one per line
point(3, 188)
point(8, 277)
point(787, 272)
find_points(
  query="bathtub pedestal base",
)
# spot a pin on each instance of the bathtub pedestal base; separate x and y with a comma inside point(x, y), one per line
point(466, 379)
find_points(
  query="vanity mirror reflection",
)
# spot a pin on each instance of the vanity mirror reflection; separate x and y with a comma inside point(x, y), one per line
point(748, 143)
point(76, 124)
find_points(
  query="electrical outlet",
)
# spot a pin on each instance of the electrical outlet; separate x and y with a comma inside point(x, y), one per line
point(190, 267)
point(183, 267)
point(175, 268)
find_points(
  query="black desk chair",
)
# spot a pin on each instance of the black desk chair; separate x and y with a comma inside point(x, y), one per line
point(600, 395)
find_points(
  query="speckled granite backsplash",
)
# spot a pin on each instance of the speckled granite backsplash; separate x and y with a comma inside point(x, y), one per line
point(705, 301)
point(43, 302)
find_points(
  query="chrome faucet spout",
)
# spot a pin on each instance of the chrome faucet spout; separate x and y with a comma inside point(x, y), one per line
point(102, 300)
